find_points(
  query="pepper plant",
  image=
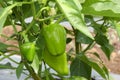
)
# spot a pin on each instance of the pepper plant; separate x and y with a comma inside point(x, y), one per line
point(42, 41)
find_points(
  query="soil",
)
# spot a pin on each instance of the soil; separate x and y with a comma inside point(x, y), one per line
point(113, 65)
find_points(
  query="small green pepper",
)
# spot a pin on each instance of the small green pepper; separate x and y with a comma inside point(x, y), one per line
point(28, 51)
point(58, 63)
point(55, 38)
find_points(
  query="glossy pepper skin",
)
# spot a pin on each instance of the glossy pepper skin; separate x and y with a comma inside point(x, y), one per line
point(58, 63)
point(55, 38)
point(28, 51)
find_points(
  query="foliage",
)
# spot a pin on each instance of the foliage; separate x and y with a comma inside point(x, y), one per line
point(80, 14)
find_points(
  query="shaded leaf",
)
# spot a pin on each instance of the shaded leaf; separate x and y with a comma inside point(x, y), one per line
point(105, 46)
point(101, 40)
point(40, 44)
point(72, 10)
point(6, 66)
point(95, 66)
point(97, 55)
point(79, 68)
point(27, 9)
point(97, 27)
point(19, 70)
point(4, 12)
point(81, 38)
point(108, 49)
point(7, 22)
point(3, 47)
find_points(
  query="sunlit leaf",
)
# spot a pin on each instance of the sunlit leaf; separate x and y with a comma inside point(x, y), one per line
point(35, 64)
point(72, 10)
point(109, 8)
point(2, 17)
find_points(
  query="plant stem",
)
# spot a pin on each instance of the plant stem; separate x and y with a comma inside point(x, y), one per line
point(61, 18)
point(33, 74)
point(13, 25)
point(46, 72)
point(50, 18)
point(34, 19)
point(77, 46)
point(5, 56)
point(30, 69)
point(89, 46)
point(33, 8)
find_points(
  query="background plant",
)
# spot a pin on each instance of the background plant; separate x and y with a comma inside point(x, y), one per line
point(81, 14)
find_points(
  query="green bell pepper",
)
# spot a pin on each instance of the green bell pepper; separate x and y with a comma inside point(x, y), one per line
point(58, 63)
point(28, 51)
point(55, 38)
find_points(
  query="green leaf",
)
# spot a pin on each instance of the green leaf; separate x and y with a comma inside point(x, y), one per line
point(48, 75)
point(108, 49)
point(81, 38)
point(105, 46)
point(4, 12)
point(27, 9)
point(76, 78)
point(3, 47)
point(101, 39)
point(79, 68)
point(104, 8)
point(6, 66)
point(98, 29)
point(40, 44)
point(72, 10)
point(19, 70)
point(100, 69)
point(7, 22)
point(35, 64)
point(3, 17)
